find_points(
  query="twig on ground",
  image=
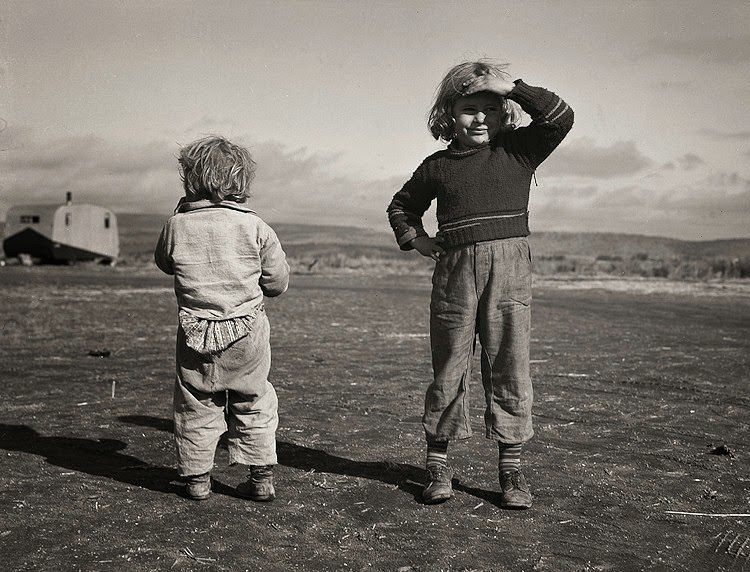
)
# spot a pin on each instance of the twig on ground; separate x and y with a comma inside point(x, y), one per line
point(723, 515)
point(189, 553)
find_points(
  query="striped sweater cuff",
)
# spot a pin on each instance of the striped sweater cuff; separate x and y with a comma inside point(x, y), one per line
point(544, 106)
point(405, 238)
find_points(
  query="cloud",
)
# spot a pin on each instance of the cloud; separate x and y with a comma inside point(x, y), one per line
point(582, 157)
point(291, 185)
point(687, 162)
point(93, 169)
point(680, 85)
point(296, 185)
point(728, 135)
point(723, 50)
point(690, 161)
point(714, 206)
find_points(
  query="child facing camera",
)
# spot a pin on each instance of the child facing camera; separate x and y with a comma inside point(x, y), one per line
point(224, 259)
point(481, 285)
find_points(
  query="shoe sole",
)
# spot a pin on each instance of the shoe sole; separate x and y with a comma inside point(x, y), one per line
point(515, 506)
point(265, 498)
point(259, 499)
point(438, 499)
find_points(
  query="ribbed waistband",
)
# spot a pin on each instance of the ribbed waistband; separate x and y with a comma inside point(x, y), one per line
point(484, 227)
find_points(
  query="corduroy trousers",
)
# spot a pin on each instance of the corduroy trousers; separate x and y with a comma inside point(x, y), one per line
point(228, 391)
point(481, 290)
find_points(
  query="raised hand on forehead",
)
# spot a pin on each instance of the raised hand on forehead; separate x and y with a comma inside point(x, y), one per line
point(485, 81)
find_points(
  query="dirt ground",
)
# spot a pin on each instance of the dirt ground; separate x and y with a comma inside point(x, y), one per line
point(642, 414)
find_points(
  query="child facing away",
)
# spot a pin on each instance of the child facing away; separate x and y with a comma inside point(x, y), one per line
point(481, 284)
point(224, 259)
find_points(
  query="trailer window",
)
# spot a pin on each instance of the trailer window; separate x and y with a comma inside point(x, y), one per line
point(30, 219)
point(68, 218)
point(106, 221)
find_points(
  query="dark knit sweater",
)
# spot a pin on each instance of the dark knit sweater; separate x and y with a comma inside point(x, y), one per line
point(483, 193)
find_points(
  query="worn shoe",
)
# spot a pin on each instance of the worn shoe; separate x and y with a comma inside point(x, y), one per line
point(440, 487)
point(516, 492)
point(259, 484)
point(198, 487)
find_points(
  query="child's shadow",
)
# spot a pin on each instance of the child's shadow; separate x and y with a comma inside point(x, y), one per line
point(99, 457)
point(407, 478)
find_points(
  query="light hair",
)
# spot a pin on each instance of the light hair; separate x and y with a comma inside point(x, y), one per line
point(450, 90)
point(216, 169)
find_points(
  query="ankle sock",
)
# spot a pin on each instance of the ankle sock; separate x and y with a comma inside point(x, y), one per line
point(509, 457)
point(437, 453)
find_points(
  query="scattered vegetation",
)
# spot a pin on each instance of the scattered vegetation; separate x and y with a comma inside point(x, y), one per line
point(710, 268)
point(330, 249)
point(641, 265)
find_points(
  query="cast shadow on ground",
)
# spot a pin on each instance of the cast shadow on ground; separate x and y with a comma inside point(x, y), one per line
point(407, 478)
point(99, 457)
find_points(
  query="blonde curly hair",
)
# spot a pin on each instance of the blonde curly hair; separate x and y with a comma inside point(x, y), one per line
point(440, 120)
point(216, 169)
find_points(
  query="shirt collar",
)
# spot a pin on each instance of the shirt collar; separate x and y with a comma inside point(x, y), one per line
point(184, 206)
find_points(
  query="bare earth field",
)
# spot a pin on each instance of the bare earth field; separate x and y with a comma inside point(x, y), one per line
point(642, 413)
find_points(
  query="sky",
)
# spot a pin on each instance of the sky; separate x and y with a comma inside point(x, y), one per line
point(331, 97)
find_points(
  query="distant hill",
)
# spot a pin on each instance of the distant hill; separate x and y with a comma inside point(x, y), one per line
point(304, 237)
point(630, 245)
point(138, 234)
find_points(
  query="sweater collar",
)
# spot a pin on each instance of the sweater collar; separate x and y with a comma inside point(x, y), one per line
point(184, 206)
point(454, 150)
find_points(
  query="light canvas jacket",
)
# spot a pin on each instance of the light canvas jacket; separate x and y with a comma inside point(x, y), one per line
point(224, 259)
